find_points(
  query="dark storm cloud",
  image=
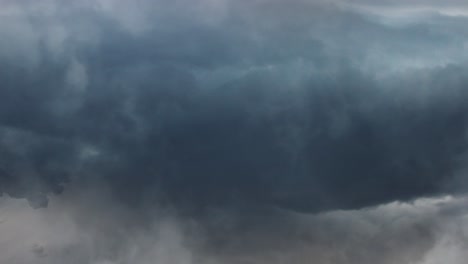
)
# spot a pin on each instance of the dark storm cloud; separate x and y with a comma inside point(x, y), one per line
point(268, 104)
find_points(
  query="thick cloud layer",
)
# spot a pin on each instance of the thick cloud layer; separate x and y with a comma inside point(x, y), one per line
point(222, 131)
point(302, 105)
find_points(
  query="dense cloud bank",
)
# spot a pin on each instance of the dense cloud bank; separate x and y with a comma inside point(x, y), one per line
point(306, 105)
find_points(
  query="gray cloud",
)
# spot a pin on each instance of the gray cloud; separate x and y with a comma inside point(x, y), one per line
point(75, 229)
point(307, 105)
point(232, 132)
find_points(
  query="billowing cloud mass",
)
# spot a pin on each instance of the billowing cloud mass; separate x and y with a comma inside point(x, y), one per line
point(266, 118)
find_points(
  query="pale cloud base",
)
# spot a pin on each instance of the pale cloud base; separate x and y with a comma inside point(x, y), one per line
point(427, 231)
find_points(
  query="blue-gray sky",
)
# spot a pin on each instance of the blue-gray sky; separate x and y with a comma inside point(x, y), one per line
point(243, 107)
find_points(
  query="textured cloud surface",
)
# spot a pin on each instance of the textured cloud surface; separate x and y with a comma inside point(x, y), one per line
point(307, 105)
point(241, 112)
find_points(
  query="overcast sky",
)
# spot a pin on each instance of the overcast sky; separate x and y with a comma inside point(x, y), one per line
point(222, 131)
